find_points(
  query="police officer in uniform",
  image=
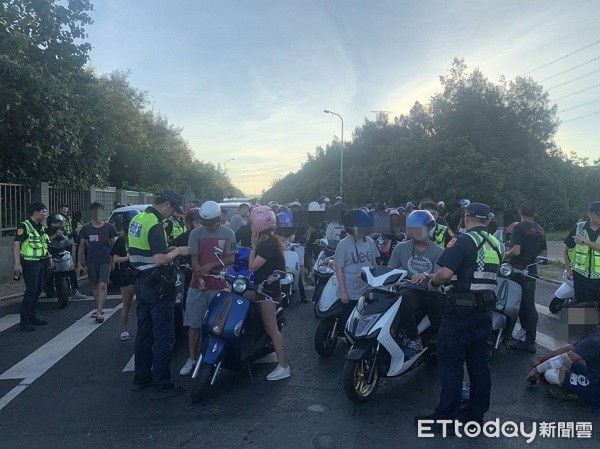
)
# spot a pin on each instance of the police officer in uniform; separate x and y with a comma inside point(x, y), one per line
point(30, 252)
point(68, 224)
point(174, 227)
point(470, 263)
point(155, 293)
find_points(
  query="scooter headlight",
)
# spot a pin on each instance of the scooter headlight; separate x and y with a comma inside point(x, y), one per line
point(506, 270)
point(363, 326)
point(240, 284)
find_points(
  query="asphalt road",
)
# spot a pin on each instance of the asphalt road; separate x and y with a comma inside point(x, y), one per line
point(64, 386)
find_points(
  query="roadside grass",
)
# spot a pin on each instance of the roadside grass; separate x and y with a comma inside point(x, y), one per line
point(556, 236)
point(554, 270)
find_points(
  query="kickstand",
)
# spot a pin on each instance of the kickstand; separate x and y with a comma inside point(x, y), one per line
point(250, 373)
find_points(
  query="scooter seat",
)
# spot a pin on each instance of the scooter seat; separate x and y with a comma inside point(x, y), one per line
point(380, 276)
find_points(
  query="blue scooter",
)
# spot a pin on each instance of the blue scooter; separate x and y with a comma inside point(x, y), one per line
point(233, 336)
point(240, 264)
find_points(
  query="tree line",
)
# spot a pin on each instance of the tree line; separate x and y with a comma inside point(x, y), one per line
point(60, 122)
point(489, 142)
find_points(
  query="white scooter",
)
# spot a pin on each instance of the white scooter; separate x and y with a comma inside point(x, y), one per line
point(292, 267)
point(375, 352)
point(334, 314)
point(564, 295)
point(322, 272)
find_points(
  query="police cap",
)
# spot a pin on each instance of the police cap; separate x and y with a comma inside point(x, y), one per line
point(174, 198)
point(478, 210)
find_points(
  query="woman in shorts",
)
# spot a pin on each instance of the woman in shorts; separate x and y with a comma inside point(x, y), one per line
point(125, 274)
point(266, 256)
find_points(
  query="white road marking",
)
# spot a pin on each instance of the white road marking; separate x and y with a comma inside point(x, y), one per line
point(9, 321)
point(45, 357)
point(545, 340)
point(546, 311)
point(130, 365)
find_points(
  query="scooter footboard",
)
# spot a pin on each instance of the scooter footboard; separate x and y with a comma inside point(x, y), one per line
point(214, 349)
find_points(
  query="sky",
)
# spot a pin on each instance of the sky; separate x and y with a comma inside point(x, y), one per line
point(249, 80)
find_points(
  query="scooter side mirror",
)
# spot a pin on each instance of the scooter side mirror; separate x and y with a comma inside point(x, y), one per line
point(279, 274)
point(541, 260)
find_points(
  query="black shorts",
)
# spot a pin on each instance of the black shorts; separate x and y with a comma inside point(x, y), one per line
point(586, 290)
point(124, 277)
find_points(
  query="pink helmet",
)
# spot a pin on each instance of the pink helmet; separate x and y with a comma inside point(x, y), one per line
point(262, 218)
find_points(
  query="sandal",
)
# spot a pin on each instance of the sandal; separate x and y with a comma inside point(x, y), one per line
point(95, 314)
point(100, 318)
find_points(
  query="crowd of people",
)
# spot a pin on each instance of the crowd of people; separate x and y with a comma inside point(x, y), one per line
point(416, 238)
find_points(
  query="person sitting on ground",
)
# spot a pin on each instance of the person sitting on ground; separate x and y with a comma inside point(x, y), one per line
point(574, 369)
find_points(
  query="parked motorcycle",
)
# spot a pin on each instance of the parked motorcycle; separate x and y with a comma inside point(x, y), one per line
point(289, 284)
point(233, 336)
point(321, 271)
point(564, 295)
point(508, 302)
point(375, 351)
point(334, 314)
point(59, 281)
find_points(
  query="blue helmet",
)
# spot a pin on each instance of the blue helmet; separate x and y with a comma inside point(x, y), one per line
point(421, 219)
point(283, 220)
point(356, 219)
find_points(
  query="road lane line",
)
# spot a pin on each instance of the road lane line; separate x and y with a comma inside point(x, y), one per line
point(546, 311)
point(545, 340)
point(130, 365)
point(9, 321)
point(45, 357)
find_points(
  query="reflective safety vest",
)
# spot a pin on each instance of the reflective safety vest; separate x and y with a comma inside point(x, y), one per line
point(584, 260)
point(439, 236)
point(68, 226)
point(35, 246)
point(488, 261)
point(177, 228)
point(140, 254)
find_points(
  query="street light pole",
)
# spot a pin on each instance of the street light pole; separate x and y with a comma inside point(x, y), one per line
point(225, 165)
point(341, 152)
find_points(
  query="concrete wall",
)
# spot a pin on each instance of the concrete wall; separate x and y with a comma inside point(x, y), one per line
point(6, 256)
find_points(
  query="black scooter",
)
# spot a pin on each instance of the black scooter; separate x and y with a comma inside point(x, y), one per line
point(58, 280)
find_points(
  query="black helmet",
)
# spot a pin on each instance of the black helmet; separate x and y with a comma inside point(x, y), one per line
point(56, 218)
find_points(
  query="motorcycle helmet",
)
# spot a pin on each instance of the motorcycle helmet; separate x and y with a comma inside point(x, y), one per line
point(262, 218)
point(410, 206)
point(337, 211)
point(210, 213)
point(56, 219)
point(357, 220)
point(296, 205)
point(394, 212)
point(441, 204)
point(283, 220)
point(421, 219)
point(191, 216)
point(464, 202)
point(275, 207)
point(314, 207)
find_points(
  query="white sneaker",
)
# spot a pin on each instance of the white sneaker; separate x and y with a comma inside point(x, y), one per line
point(519, 335)
point(125, 336)
point(78, 295)
point(279, 373)
point(187, 368)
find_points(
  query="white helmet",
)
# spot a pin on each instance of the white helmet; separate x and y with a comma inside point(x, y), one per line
point(314, 206)
point(210, 213)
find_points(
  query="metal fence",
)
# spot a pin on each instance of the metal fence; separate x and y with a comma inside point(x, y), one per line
point(107, 197)
point(75, 199)
point(14, 199)
point(132, 197)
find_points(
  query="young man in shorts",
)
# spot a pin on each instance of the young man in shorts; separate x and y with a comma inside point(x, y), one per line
point(204, 286)
point(98, 237)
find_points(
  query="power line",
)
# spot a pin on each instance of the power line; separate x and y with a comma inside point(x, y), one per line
point(263, 168)
point(578, 92)
point(563, 57)
point(574, 79)
point(570, 70)
point(579, 105)
point(582, 116)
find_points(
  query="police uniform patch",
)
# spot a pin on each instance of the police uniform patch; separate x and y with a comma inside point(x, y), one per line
point(20, 231)
point(451, 243)
point(135, 229)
